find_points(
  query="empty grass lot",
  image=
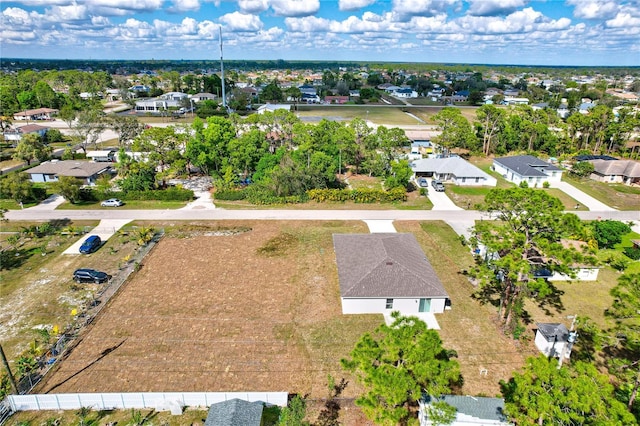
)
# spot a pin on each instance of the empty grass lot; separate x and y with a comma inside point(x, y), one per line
point(389, 116)
point(618, 196)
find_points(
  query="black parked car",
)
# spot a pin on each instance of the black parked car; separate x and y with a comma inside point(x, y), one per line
point(90, 245)
point(85, 275)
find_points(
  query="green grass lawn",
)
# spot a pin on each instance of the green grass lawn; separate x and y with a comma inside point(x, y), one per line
point(128, 205)
point(618, 196)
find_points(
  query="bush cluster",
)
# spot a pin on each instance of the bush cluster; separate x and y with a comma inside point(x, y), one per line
point(230, 195)
point(169, 194)
point(364, 195)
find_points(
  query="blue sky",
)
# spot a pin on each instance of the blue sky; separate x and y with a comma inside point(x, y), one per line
point(541, 32)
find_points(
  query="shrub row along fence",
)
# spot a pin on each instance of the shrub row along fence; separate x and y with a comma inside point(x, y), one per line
point(67, 339)
point(363, 195)
point(159, 401)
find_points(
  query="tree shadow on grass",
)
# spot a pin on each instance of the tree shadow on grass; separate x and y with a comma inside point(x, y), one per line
point(552, 301)
point(14, 258)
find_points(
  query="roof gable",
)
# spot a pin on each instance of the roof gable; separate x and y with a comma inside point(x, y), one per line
point(384, 266)
point(553, 331)
point(234, 412)
point(74, 168)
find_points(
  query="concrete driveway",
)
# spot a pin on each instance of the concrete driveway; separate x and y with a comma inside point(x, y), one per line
point(440, 200)
point(585, 199)
point(105, 230)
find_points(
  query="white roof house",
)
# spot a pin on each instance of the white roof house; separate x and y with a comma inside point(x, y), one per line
point(452, 169)
point(273, 107)
point(527, 168)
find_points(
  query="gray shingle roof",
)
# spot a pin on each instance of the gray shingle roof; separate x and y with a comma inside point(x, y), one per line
point(234, 412)
point(553, 331)
point(526, 165)
point(384, 266)
point(478, 407)
point(626, 168)
point(453, 165)
point(79, 169)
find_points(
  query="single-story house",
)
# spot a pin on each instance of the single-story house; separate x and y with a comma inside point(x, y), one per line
point(336, 99)
point(203, 97)
point(35, 114)
point(234, 412)
point(551, 339)
point(616, 171)
point(405, 92)
point(582, 271)
point(509, 100)
point(273, 107)
point(470, 410)
point(385, 272)
point(15, 135)
point(102, 156)
point(162, 102)
point(527, 168)
point(307, 89)
point(452, 169)
point(87, 171)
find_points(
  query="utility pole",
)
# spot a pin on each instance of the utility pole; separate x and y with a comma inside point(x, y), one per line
point(571, 339)
point(12, 380)
point(224, 98)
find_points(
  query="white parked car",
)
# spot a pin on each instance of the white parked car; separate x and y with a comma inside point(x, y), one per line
point(111, 202)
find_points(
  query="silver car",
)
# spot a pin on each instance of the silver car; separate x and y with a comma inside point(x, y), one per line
point(111, 202)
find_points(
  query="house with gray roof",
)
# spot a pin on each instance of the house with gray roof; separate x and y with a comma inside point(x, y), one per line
point(527, 168)
point(470, 410)
point(384, 272)
point(87, 171)
point(616, 171)
point(235, 412)
point(452, 169)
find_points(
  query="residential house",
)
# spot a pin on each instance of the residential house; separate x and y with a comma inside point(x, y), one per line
point(199, 97)
point(163, 102)
point(452, 169)
point(308, 89)
point(616, 171)
point(235, 412)
point(385, 272)
point(585, 107)
point(551, 339)
point(273, 107)
point(15, 135)
point(405, 92)
point(470, 410)
point(336, 99)
point(581, 271)
point(103, 156)
point(510, 100)
point(35, 114)
point(140, 88)
point(527, 168)
point(87, 171)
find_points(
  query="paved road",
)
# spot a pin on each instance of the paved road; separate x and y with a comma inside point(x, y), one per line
point(221, 214)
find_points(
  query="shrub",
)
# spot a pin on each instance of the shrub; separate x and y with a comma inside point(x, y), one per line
point(608, 233)
point(632, 253)
point(230, 195)
point(363, 195)
point(545, 184)
point(169, 194)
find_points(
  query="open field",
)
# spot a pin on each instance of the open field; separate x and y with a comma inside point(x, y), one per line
point(389, 116)
point(253, 310)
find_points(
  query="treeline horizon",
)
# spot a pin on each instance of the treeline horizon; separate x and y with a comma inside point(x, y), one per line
point(114, 65)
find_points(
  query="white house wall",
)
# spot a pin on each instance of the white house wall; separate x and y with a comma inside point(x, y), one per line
point(582, 274)
point(549, 348)
point(378, 306)
point(475, 181)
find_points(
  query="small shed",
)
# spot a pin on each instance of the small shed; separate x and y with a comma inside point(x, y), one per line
point(234, 412)
point(551, 339)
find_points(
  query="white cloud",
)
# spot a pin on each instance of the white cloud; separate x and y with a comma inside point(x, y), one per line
point(624, 20)
point(594, 9)
point(253, 6)
point(347, 5)
point(494, 7)
point(237, 21)
point(184, 6)
point(405, 9)
point(137, 5)
point(522, 21)
point(307, 24)
point(295, 8)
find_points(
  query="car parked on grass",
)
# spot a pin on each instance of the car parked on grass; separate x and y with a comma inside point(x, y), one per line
point(111, 202)
point(422, 182)
point(91, 244)
point(86, 275)
point(437, 185)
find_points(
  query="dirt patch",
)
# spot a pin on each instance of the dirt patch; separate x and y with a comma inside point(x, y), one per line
point(214, 313)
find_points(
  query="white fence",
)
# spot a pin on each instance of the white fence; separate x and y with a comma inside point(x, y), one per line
point(160, 401)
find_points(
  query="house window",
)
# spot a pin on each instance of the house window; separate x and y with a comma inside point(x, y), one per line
point(464, 179)
point(477, 179)
point(389, 304)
